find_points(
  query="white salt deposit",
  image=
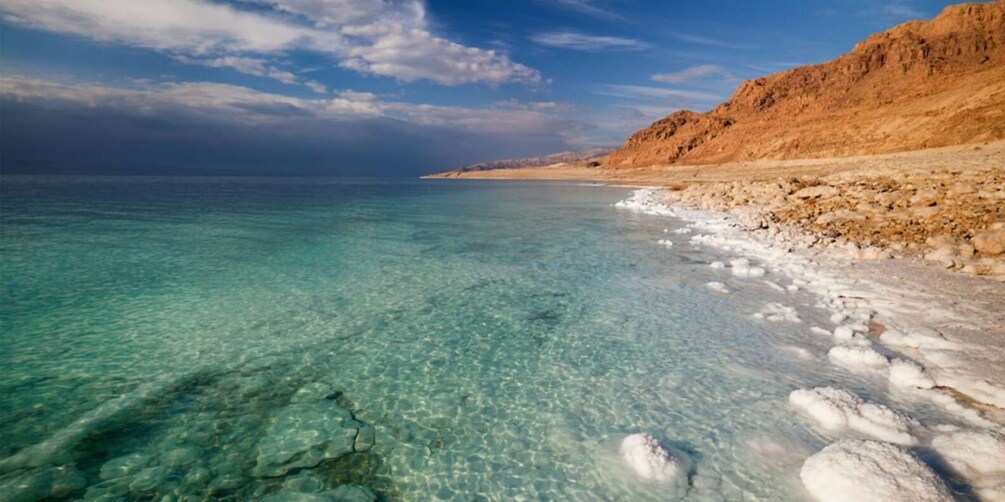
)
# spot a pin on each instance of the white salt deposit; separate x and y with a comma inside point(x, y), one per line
point(909, 374)
point(776, 312)
point(647, 201)
point(682, 231)
point(650, 460)
point(977, 456)
point(838, 409)
point(866, 471)
point(665, 242)
point(857, 358)
point(717, 286)
point(817, 330)
point(741, 267)
point(717, 264)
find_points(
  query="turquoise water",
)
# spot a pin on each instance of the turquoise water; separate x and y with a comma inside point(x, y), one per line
point(185, 338)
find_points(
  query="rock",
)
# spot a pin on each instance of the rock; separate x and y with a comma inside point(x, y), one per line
point(124, 466)
point(180, 457)
point(52, 483)
point(816, 192)
point(990, 243)
point(307, 432)
point(353, 493)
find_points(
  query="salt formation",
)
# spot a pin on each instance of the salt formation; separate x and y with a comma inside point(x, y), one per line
point(647, 201)
point(650, 460)
point(909, 374)
point(857, 358)
point(837, 409)
point(776, 312)
point(977, 456)
point(665, 242)
point(866, 471)
point(741, 268)
point(717, 286)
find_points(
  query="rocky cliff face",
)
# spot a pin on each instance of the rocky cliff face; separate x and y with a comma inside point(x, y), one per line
point(918, 85)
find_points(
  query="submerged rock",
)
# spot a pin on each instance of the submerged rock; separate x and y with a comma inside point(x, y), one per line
point(308, 431)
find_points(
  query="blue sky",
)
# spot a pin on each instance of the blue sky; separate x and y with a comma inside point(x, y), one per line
point(382, 87)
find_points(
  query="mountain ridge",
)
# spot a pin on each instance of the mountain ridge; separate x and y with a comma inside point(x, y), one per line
point(920, 84)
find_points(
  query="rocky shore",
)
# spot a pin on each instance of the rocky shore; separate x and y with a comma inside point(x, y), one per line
point(950, 217)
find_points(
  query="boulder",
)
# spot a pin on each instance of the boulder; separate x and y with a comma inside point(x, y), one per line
point(990, 243)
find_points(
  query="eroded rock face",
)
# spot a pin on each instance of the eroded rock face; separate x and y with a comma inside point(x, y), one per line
point(308, 431)
point(917, 85)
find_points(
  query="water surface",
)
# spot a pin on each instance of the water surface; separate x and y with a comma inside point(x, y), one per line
point(496, 339)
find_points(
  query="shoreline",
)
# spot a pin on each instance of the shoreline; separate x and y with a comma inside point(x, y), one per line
point(909, 325)
point(944, 206)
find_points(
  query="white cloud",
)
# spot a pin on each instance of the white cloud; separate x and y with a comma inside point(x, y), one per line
point(644, 92)
point(590, 8)
point(250, 66)
point(692, 73)
point(580, 42)
point(711, 42)
point(226, 102)
point(372, 36)
point(316, 86)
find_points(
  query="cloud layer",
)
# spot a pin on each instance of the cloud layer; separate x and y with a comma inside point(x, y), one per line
point(196, 124)
point(378, 37)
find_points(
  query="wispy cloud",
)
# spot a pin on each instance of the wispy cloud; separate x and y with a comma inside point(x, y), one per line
point(692, 73)
point(645, 92)
point(901, 10)
point(712, 42)
point(391, 39)
point(589, 8)
point(590, 43)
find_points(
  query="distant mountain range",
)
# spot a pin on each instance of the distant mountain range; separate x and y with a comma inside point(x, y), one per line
point(546, 160)
point(921, 84)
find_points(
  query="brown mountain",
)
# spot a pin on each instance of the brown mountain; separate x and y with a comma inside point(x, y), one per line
point(918, 85)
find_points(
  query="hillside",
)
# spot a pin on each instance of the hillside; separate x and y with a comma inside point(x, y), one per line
point(554, 158)
point(921, 84)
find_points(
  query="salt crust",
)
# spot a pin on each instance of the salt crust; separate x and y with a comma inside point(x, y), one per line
point(650, 460)
point(866, 471)
point(838, 409)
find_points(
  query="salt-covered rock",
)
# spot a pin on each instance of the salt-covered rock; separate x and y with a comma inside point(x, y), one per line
point(776, 312)
point(857, 357)
point(665, 242)
point(977, 456)
point(868, 471)
point(909, 374)
point(717, 286)
point(837, 409)
point(651, 460)
point(647, 201)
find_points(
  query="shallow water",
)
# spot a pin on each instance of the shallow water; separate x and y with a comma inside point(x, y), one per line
point(496, 339)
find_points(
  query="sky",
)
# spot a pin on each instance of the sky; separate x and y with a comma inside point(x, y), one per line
point(381, 87)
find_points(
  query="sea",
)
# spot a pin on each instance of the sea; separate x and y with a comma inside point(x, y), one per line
point(240, 338)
